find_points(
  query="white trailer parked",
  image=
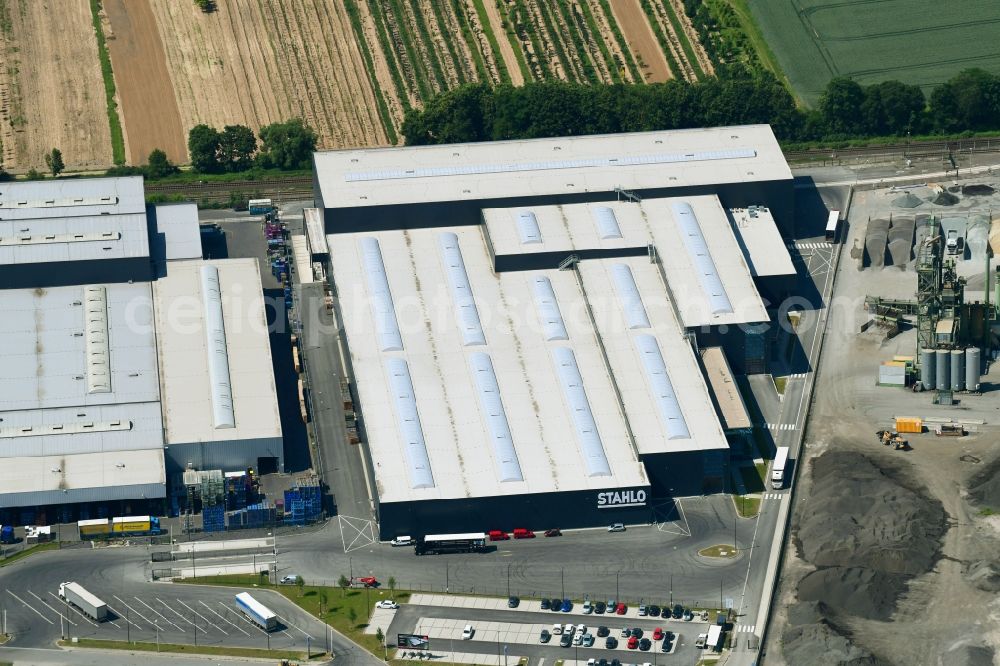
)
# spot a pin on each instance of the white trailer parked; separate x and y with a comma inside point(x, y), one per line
point(75, 594)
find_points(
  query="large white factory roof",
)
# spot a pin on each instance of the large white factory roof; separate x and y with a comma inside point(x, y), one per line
point(77, 197)
point(705, 267)
point(77, 346)
point(176, 234)
point(216, 377)
point(82, 477)
point(556, 166)
point(479, 384)
point(762, 244)
point(63, 239)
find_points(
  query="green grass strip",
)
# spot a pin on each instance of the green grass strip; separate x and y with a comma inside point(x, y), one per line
point(682, 37)
point(529, 30)
point(515, 44)
point(402, 90)
point(572, 71)
point(630, 62)
point(27, 552)
point(256, 653)
point(484, 21)
point(429, 47)
point(114, 122)
point(573, 28)
point(424, 89)
point(595, 34)
point(675, 69)
point(482, 71)
point(750, 28)
point(366, 55)
point(449, 44)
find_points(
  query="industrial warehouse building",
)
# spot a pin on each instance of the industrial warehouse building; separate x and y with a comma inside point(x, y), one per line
point(112, 382)
point(527, 320)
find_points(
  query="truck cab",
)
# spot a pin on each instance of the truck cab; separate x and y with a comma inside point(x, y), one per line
point(954, 242)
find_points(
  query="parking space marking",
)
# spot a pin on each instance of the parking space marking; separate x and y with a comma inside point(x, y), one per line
point(245, 619)
point(203, 617)
point(72, 609)
point(144, 618)
point(211, 610)
point(33, 609)
point(167, 606)
point(42, 601)
point(160, 614)
point(121, 616)
point(289, 624)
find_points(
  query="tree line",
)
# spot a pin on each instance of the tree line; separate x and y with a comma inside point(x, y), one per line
point(285, 145)
point(968, 102)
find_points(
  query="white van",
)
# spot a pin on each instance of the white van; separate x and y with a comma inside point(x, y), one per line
point(402, 541)
point(467, 632)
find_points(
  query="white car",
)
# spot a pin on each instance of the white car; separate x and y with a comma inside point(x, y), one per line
point(581, 628)
point(402, 541)
point(569, 629)
point(616, 527)
point(578, 639)
point(557, 629)
point(588, 607)
point(467, 632)
point(290, 579)
point(387, 603)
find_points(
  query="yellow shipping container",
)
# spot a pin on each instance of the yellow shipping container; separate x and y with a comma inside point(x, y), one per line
point(909, 424)
point(94, 527)
point(136, 525)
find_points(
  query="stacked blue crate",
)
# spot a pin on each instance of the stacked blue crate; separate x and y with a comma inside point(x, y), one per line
point(214, 518)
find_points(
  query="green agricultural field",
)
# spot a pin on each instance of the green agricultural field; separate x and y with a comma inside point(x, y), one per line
point(922, 42)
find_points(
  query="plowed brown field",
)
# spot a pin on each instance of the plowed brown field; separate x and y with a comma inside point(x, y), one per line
point(51, 92)
point(641, 40)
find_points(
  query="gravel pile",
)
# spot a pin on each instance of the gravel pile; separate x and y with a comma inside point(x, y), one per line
point(968, 655)
point(984, 486)
point(977, 190)
point(984, 575)
point(875, 240)
point(900, 237)
point(863, 592)
point(820, 644)
point(908, 200)
point(944, 199)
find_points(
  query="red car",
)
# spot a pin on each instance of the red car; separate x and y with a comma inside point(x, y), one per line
point(367, 581)
point(620, 609)
point(521, 533)
point(657, 634)
point(498, 535)
point(633, 642)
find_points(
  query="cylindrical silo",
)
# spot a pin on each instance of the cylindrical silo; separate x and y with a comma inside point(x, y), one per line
point(927, 368)
point(941, 372)
point(972, 366)
point(958, 370)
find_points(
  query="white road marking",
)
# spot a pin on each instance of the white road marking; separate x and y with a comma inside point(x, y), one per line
point(781, 426)
point(245, 619)
point(238, 628)
point(203, 617)
point(73, 609)
point(160, 614)
point(144, 618)
point(127, 618)
point(32, 608)
point(289, 624)
point(51, 608)
point(178, 614)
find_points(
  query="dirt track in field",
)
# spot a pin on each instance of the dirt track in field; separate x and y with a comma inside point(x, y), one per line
point(51, 92)
point(641, 40)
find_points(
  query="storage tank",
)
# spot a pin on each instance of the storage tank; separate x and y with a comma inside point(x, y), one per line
point(957, 369)
point(972, 366)
point(927, 368)
point(941, 372)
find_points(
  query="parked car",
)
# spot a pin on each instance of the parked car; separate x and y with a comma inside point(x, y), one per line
point(545, 636)
point(600, 607)
point(620, 609)
point(588, 640)
point(615, 662)
point(666, 646)
point(668, 635)
point(704, 616)
point(688, 615)
point(603, 631)
point(611, 642)
point(569, 629)
point(611, 605)
point(557, 629)
point(566, 640)
point(553, 532)
point(637, 632)
point(290, 579)
point(588, 607)
point(578, 639)
point(367, 581)
point(642, 610)
point(580, 629)
point(402, 541)
point(555, 605)
point(522, 533)
point(653, 610)
point(700, 642)
point(498, 535)
point(567, 606)
point(616, 527)
point(658, 634)
point(468, 632)
point(665, 612)
point(387, 604)
point(633, 642)
point(513, 602)
point(545, 604)
point(645, 644)
point(626, 632)
point(602, 662)
point(678, 612)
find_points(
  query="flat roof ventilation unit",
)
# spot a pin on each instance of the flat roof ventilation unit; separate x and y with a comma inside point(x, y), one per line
point(661, 387)
point(587, 435)
point(97, 348)
point(466, 314)
point(628, 295)
point(553, 326)
point(701, 258)
point(527, 228)
point(504, 452)
point(378, 286)
point(223, 415)
point(414, 447)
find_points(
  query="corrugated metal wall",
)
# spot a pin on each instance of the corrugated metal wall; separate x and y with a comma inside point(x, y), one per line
point(102, 494)
point(230, 455)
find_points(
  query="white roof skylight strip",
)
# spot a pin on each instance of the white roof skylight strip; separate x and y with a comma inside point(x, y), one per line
point(98, 349)
point(697, 249)
point(466, 313)
point(381, 298)
point(553, 326)
point(414, 448)
point(527, 227)
point(218, 354)
point(607, 223)
point(496, 418)
point(628, 294)
point(588, 438)
point(661, 387)
point(508, 167)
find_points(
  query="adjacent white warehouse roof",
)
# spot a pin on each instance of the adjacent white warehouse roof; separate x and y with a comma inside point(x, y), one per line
point(77, 197)
point(498, 384)
point(77, 346)
point(762, 244)
point(73, 430)
point(539, 167)
point(216, 378)
point(177, 235)
point(706, 269)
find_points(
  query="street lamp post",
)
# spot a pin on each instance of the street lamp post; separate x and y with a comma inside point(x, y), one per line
point(562, 579)
point(508, 580)
point(671, 589)
point(617, 592)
